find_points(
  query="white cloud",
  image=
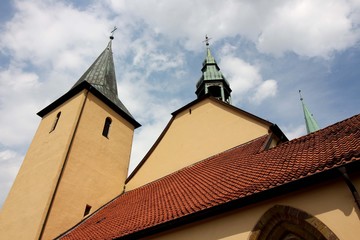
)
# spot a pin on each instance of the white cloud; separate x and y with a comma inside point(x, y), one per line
point(294, 131)
point(305, 27)
point(246, 81)
point(43, 33)
point(266, 89)
point(9, 164)
point(309, 28)
point(18, 101)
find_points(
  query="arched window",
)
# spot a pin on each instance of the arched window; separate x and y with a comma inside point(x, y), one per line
point(287, 223)
point(55, 121)
point(107, 124)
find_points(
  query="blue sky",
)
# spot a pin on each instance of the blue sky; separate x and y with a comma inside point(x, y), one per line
point(267, 51)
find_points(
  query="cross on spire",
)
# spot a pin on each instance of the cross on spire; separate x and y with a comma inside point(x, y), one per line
point(207, 39)
point(112, 33)
point(301, 98)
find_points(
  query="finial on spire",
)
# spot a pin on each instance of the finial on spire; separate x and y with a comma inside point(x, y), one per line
point(207, 39)
point(301, 98)
point(112, 33)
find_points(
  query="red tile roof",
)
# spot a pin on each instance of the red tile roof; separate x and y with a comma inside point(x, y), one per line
point(234, 174)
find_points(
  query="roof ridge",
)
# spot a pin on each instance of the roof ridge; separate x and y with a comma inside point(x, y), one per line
point(321, 131)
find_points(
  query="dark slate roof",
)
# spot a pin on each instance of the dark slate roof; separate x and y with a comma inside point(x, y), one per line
point(100, 80)
point(237, 176)
point(101, 75)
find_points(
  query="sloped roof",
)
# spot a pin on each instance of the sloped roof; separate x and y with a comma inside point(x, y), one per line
point(236, 174)
point(101, 75)
point(99, 79)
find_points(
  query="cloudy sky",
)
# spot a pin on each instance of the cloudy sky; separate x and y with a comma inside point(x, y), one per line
point(267, 50)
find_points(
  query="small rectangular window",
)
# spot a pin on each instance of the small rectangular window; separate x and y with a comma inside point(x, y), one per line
point(87, 210)
point(106, 128)
point(55, 122)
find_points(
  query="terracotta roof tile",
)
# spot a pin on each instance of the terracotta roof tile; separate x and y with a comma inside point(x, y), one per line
point(233, 174)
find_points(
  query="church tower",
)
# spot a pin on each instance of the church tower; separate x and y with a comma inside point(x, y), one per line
point(212, 81)
point(78, 159)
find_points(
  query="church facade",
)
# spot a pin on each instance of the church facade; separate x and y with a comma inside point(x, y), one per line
point(215, 172)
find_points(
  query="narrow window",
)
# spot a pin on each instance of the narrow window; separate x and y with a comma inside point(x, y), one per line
point(55, 121)
point(107, 124)
point(87, 210)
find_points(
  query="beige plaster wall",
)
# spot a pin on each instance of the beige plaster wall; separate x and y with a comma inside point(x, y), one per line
point(24, 210)
point(210, 128)
point(96, 168)
point(331, 203)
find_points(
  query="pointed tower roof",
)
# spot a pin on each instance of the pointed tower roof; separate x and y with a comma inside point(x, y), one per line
point(212, 80)
point(311, 124)
point(101, 75)
point(99, 79)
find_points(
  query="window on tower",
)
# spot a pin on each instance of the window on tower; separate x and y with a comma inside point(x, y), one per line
point(55, 121)
point(215, 91)
point(107, 124)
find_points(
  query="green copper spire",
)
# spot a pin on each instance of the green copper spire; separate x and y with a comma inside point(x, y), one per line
point(101, 75)
point(212, 80)
point(311, 124)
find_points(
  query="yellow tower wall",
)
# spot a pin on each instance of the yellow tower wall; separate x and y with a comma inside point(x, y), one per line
point(83, 166)
point(194, 134)
point(96, 167)
point(25, 208)
point(332, 204)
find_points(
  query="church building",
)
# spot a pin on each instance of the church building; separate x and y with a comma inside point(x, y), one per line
point(215, 171)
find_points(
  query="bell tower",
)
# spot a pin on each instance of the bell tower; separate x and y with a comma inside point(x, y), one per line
point(78, 159)
point(212, 80)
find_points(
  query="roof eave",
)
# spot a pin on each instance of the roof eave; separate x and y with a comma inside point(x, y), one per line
point(312, 180)
point(208, 96)
point(78, 88)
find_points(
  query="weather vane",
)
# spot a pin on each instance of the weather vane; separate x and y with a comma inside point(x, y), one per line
point(207, 39)
point(112, 33)
point(301, 98)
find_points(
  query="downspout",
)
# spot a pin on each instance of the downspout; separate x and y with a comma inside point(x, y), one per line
point(63, 167)
point(350, 185)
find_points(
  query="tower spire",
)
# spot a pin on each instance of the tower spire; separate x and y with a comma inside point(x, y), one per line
point(311, 124)
point(101, 75)
point(212, 80)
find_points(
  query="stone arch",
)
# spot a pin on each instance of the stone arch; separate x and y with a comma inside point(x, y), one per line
point(288, 223)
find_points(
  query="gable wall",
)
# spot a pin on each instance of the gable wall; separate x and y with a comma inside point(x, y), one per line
point(208, 129)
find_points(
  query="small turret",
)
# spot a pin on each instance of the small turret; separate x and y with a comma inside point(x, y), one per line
point(212, 80)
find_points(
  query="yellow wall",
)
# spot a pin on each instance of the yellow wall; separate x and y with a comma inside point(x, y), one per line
point(331, 203)
point(25, 207)
point(94, 173)
point(96, 168)
point(210, 128)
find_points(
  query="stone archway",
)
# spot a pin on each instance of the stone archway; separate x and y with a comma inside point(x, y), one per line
point(288, 223)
